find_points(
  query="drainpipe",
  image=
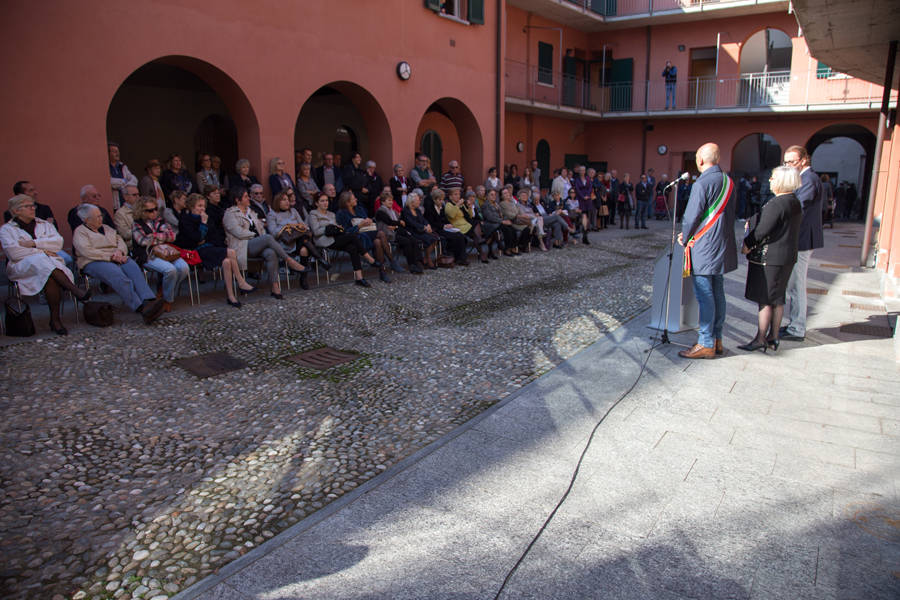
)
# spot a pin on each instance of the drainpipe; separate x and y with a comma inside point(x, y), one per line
point(647, 75)
point(498, 115)
point(876, 164)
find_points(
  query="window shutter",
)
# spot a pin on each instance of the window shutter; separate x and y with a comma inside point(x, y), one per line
point(434, 5)
point(476, 12)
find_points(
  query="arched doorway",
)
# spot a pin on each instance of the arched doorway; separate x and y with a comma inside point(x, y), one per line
point(460, 137)
point(766, 68)
point(149, 116)
point(845, 150)
point(755, 155)
point(542, 155)
point(432, 147)
point(343, 118)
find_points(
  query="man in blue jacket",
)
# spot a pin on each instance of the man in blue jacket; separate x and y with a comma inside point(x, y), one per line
point(811, 195)
point(707, 235)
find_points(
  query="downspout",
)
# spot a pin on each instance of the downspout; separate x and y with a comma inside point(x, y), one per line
point(498, 133)
point(647, 76)
point(879, 142)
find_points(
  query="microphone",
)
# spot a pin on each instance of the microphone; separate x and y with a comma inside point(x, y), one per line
point(684, 177)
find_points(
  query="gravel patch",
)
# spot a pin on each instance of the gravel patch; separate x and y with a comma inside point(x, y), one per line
point(123, 476)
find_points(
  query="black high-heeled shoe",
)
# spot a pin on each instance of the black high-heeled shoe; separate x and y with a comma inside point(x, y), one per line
point(245, 292)
point(773, 344)
point(277, 295)
point(236, 303)
point(754, 345)
point(59, 330)
point(87, 296)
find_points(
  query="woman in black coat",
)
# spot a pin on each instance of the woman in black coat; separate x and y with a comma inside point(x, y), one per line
point(771, 249)
point(417, 226)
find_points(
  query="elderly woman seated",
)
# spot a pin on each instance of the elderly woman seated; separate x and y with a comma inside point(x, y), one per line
point(246, 235)
point(552, 224)
point(454, 240)
point(460, 217)
point(31, 246)
point(149, 230)
point(520, 222)
point(330, 235)
point(418, 228)
point(354, 219)
point(102, 254)
point(197, 231)
point(286, 226)
point(493, 226)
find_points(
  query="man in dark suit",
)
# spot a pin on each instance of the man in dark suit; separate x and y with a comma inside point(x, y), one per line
point(811, 196)
point(710, 251)
point(328, 172)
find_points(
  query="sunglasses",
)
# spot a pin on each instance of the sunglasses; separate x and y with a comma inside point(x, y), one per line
point(151, 210)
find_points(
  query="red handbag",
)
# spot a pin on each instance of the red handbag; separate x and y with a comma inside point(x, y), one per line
point(191, 257)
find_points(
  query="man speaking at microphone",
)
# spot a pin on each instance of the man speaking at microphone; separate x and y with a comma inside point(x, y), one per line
point(709, 248)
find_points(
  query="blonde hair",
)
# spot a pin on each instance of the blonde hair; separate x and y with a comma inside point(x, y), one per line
point(784, 180)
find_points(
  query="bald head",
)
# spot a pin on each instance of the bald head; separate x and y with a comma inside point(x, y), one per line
point(707, 156)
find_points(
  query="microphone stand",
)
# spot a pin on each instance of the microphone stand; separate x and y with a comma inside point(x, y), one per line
point(664, 336)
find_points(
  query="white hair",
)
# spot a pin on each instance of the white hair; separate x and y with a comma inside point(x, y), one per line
point(84, 190)
point(784, 180)
point(256, 187)
point(84, 210)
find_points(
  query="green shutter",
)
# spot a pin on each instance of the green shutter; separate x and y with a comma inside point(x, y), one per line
point(476, 12)
point(434, 5)
point(823, 71)
point(545, 63)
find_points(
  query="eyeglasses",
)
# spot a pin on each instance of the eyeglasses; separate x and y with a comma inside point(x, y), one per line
point(790, 163)
point(151, 210)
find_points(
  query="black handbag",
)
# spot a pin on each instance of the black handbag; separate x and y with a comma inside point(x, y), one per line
point(333, 230)
point(98, 314)
point(18, 318)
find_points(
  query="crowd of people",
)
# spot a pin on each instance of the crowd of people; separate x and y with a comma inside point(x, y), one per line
point(171, 220)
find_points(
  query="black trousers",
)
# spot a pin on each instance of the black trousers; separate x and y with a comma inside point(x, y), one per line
point(454, 243)
point(510, 236)
point(410, 248)
point(352, 245)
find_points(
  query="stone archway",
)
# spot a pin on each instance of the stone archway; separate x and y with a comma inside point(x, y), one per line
point(458, 128)
point(865, 140)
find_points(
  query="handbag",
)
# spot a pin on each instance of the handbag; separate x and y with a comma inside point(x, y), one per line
point(98, 314)
point(18, 318)
point(166, 252)
point(191, 257)
point(289, 235)
point(621, 199)
point(604, 211)
point(333, 230)
point(445, 262)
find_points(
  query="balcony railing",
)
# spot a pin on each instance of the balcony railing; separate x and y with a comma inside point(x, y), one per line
point(628, 8)
point(748, 92)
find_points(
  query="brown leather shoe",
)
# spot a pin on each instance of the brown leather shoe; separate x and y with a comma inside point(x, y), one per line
point(720, 349)
point(698, 351)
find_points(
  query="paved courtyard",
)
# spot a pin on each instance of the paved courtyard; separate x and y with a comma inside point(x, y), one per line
point(123, 476)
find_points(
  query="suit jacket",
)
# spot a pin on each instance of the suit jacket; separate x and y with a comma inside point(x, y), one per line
point(319, 176)
point(811, 197)
point(777, 227)
point(715, 253)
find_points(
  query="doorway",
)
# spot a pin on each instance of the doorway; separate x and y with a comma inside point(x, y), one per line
point(702, 78)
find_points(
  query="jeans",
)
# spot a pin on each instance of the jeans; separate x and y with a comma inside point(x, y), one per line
point(796, 295)
point(710, 292)
point(172, 273)
point(70, 262)
point(126, 280)
point(670, 94)
point(640, 218)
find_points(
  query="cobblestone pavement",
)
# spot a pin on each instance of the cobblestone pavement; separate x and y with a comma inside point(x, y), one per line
point(123, 476)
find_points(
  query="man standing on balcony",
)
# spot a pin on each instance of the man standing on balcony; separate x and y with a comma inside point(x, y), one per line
point(670, 73)
point(710, 251)
point(810, 195)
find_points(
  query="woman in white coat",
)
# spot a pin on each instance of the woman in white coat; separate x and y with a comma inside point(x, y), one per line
point(31, 247)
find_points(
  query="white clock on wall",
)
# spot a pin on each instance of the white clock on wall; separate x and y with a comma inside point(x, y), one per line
point(662, 149)
point(404, 70)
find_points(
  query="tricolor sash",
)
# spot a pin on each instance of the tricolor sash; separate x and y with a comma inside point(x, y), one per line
point(710, 218)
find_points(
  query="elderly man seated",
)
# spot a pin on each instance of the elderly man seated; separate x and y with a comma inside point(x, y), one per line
point(102, 254)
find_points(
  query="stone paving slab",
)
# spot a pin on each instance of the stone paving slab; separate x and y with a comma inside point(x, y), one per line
point(795, 503)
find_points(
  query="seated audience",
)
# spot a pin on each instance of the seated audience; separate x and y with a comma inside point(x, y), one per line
point(215, 210)
point(206, 175)
point(258, 201)
point(124, 217)
point(150, 186)
point(354, 219)
point(102, 255)
point(417, 226)
point(307, 188)
point(454, 241)
point(32, 247)
point(195, 233)
point(387, 218)
point(455, 214)
point(328, 173)
point(329, 235)
point(493, 225)
point(149, 230)
point(241, 177)
point(279, 179)
point(287, 226)
point(176, 177)
point(372, 188)
point(89, 195)
point(537, 222)
point(246, 235)
point(42, 211)
point(521, 224)
point(552, 225)
point(176, 205)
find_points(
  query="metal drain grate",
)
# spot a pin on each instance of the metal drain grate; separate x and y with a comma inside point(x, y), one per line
point(210, 365)
point(864, 329)
point(834, 266)
point(323, 358)
point(867, 307)
point(817, 291)
point(861, 294)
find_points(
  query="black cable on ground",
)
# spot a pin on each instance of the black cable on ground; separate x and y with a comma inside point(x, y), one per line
point(587, 446)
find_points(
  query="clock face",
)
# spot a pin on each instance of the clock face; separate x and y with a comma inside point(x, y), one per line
point(404, 70)
point(662, 149)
